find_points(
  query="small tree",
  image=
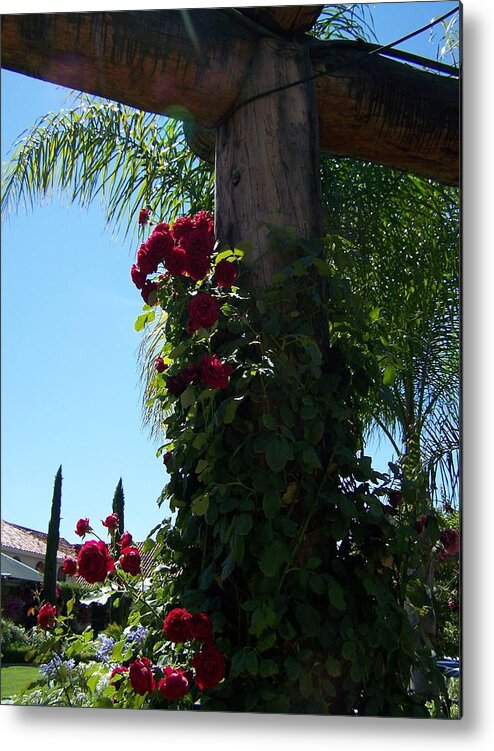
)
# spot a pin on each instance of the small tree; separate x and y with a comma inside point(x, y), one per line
point(50, 573)
point(118, 508)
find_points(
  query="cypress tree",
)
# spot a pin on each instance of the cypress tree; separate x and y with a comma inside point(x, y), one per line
point(118, 508)
point(50, 573)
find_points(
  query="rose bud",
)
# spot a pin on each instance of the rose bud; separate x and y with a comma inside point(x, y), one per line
point(210, 667)
point(130, 560)
point(144, 216)
point(46, 615)
point(111, 522)
point(175, 684)
point(82, 527)
point(225, 273)
point(176, 625)
point(141, 676)
point(125, 541)
point(167, 457)
point(137, 276)
point(70, 566)
point(160, 364)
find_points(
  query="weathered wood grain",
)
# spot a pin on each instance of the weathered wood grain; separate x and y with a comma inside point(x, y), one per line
point(194, 65)
point(268, 156)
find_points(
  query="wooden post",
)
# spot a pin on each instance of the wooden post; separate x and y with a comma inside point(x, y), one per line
point(267, 157)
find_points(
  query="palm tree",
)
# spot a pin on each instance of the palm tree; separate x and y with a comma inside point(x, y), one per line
point(400, 235)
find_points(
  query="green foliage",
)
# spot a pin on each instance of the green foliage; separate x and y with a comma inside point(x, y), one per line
point(103, 149)
point(118, 505)
point(283, 533)
point(12, 634)
point(50, 571)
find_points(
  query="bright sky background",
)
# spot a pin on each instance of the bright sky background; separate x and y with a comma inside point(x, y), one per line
point(70, 386)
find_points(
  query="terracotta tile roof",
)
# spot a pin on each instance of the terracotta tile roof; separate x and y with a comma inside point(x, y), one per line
point(15, 537)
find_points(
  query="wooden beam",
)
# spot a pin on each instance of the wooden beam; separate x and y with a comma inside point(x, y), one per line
point(179, 63)
point(193, 64)
point(287, 19)
point(267, 155)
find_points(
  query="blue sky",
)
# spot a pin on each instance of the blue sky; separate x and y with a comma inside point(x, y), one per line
point(70, 386)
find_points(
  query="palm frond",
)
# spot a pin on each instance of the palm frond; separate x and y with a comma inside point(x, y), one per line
point(101, 149)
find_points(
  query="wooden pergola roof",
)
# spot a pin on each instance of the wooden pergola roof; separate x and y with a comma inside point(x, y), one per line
point(192, 64)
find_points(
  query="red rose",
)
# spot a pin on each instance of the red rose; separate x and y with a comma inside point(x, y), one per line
point(174, 684)
point(147, 289)
point(225, 273)
point(201, 628)
point(450, 538)
point(144, 216)
point(162, 227)
point(176, 261)
point(82, 527)
point(196, 236)
point(141, 676)
point(204, 220)
point(70, 566)
point(176, 625)
point(181, 227)
point(130, 560)
point(94, 561)
point(214, 373)
point(137, 276)
point(146, 261)
point(46, 615)
point(197, 267)
point(117, 676)
point(125, 541)
point(210, 667)
point(204, 311)
point(159, 244)
point(160, 364)
point(111, 522)
point(176, 385)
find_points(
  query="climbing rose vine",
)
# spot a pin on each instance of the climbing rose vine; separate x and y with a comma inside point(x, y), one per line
point(287, 581)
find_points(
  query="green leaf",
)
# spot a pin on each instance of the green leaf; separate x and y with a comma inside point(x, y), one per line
point(268, 668)
point(314, 431)
point(269, 422)
point(389, 375)
point(333, 666)
point(252, 663)
point(237, 547)
point(272, 557)
point(188, 398)
point(200, 505)
point(243, 524)
point(336, 594)
point(103, 702)
point(271, 504)
point(149, 544)
point(310, 458)
point(278, 452)
point(308, 618)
